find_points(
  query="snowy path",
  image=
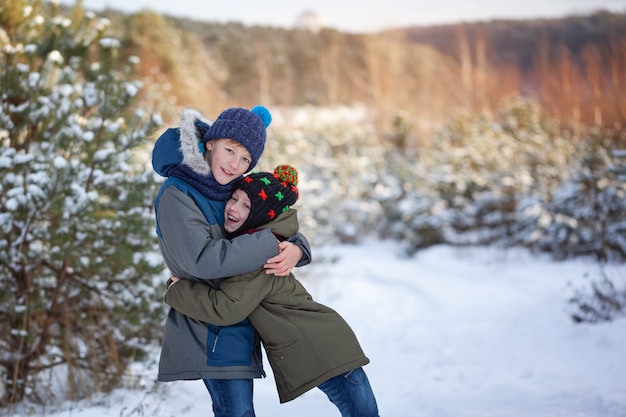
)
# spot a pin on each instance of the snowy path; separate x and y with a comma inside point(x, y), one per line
point(450, 333)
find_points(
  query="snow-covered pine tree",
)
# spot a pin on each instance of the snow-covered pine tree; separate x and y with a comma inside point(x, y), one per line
point(339, 162)
point(605, 298)
point(481, 174)
point(588, 210)
point(78, 299)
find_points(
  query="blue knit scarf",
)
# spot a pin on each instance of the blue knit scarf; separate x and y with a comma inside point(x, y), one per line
point(205, 184)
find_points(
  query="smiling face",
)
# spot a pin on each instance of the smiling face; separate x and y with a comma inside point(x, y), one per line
point(236, 211)
point(228, 160)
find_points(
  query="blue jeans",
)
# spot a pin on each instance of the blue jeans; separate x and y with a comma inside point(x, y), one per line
point(352, 394)
point(231, 397)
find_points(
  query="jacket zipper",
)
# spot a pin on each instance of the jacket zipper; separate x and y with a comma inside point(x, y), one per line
point(217, 335)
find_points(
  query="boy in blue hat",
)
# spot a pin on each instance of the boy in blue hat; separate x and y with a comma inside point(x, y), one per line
point(202, 160)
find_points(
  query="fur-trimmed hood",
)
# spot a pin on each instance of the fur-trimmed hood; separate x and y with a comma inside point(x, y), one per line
point(182, 145)
point(193, 126)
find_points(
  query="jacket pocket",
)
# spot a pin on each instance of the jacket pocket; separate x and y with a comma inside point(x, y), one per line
point(230, 345)
point(290, 365)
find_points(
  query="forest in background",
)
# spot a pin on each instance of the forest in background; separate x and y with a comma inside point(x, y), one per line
point(419, 77)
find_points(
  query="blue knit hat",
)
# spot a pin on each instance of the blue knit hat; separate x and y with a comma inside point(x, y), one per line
point(247, 127)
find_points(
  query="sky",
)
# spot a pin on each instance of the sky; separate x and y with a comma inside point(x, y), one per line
point(450, 332)
point(360, 16)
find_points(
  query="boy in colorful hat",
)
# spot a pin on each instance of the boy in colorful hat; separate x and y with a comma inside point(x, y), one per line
point(308, 344)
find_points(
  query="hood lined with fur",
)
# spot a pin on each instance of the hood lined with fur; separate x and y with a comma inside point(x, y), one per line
point(193, 126)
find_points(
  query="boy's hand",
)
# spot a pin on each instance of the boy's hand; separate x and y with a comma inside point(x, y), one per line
point(172, 281)
point(282, 264)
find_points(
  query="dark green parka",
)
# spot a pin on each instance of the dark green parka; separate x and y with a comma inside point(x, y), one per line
point(306, 342)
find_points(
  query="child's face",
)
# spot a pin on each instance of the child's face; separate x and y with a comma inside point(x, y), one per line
point(228, 160)
point(236, 211)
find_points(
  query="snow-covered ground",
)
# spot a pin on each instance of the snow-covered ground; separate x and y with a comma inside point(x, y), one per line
point(474, 332)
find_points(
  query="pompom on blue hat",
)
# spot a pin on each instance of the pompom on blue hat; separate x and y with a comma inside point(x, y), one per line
point(248, 127)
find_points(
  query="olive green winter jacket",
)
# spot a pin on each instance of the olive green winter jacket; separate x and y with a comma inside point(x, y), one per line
point(306, 342)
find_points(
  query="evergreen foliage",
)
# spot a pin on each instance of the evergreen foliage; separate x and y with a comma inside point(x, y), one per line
point(604, 300)
point(78, 297)
point(339, 165)
point(586, 216)
point(513, 178)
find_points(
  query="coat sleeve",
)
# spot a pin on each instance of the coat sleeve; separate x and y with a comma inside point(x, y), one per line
point(194, 249)
point(236, 299)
